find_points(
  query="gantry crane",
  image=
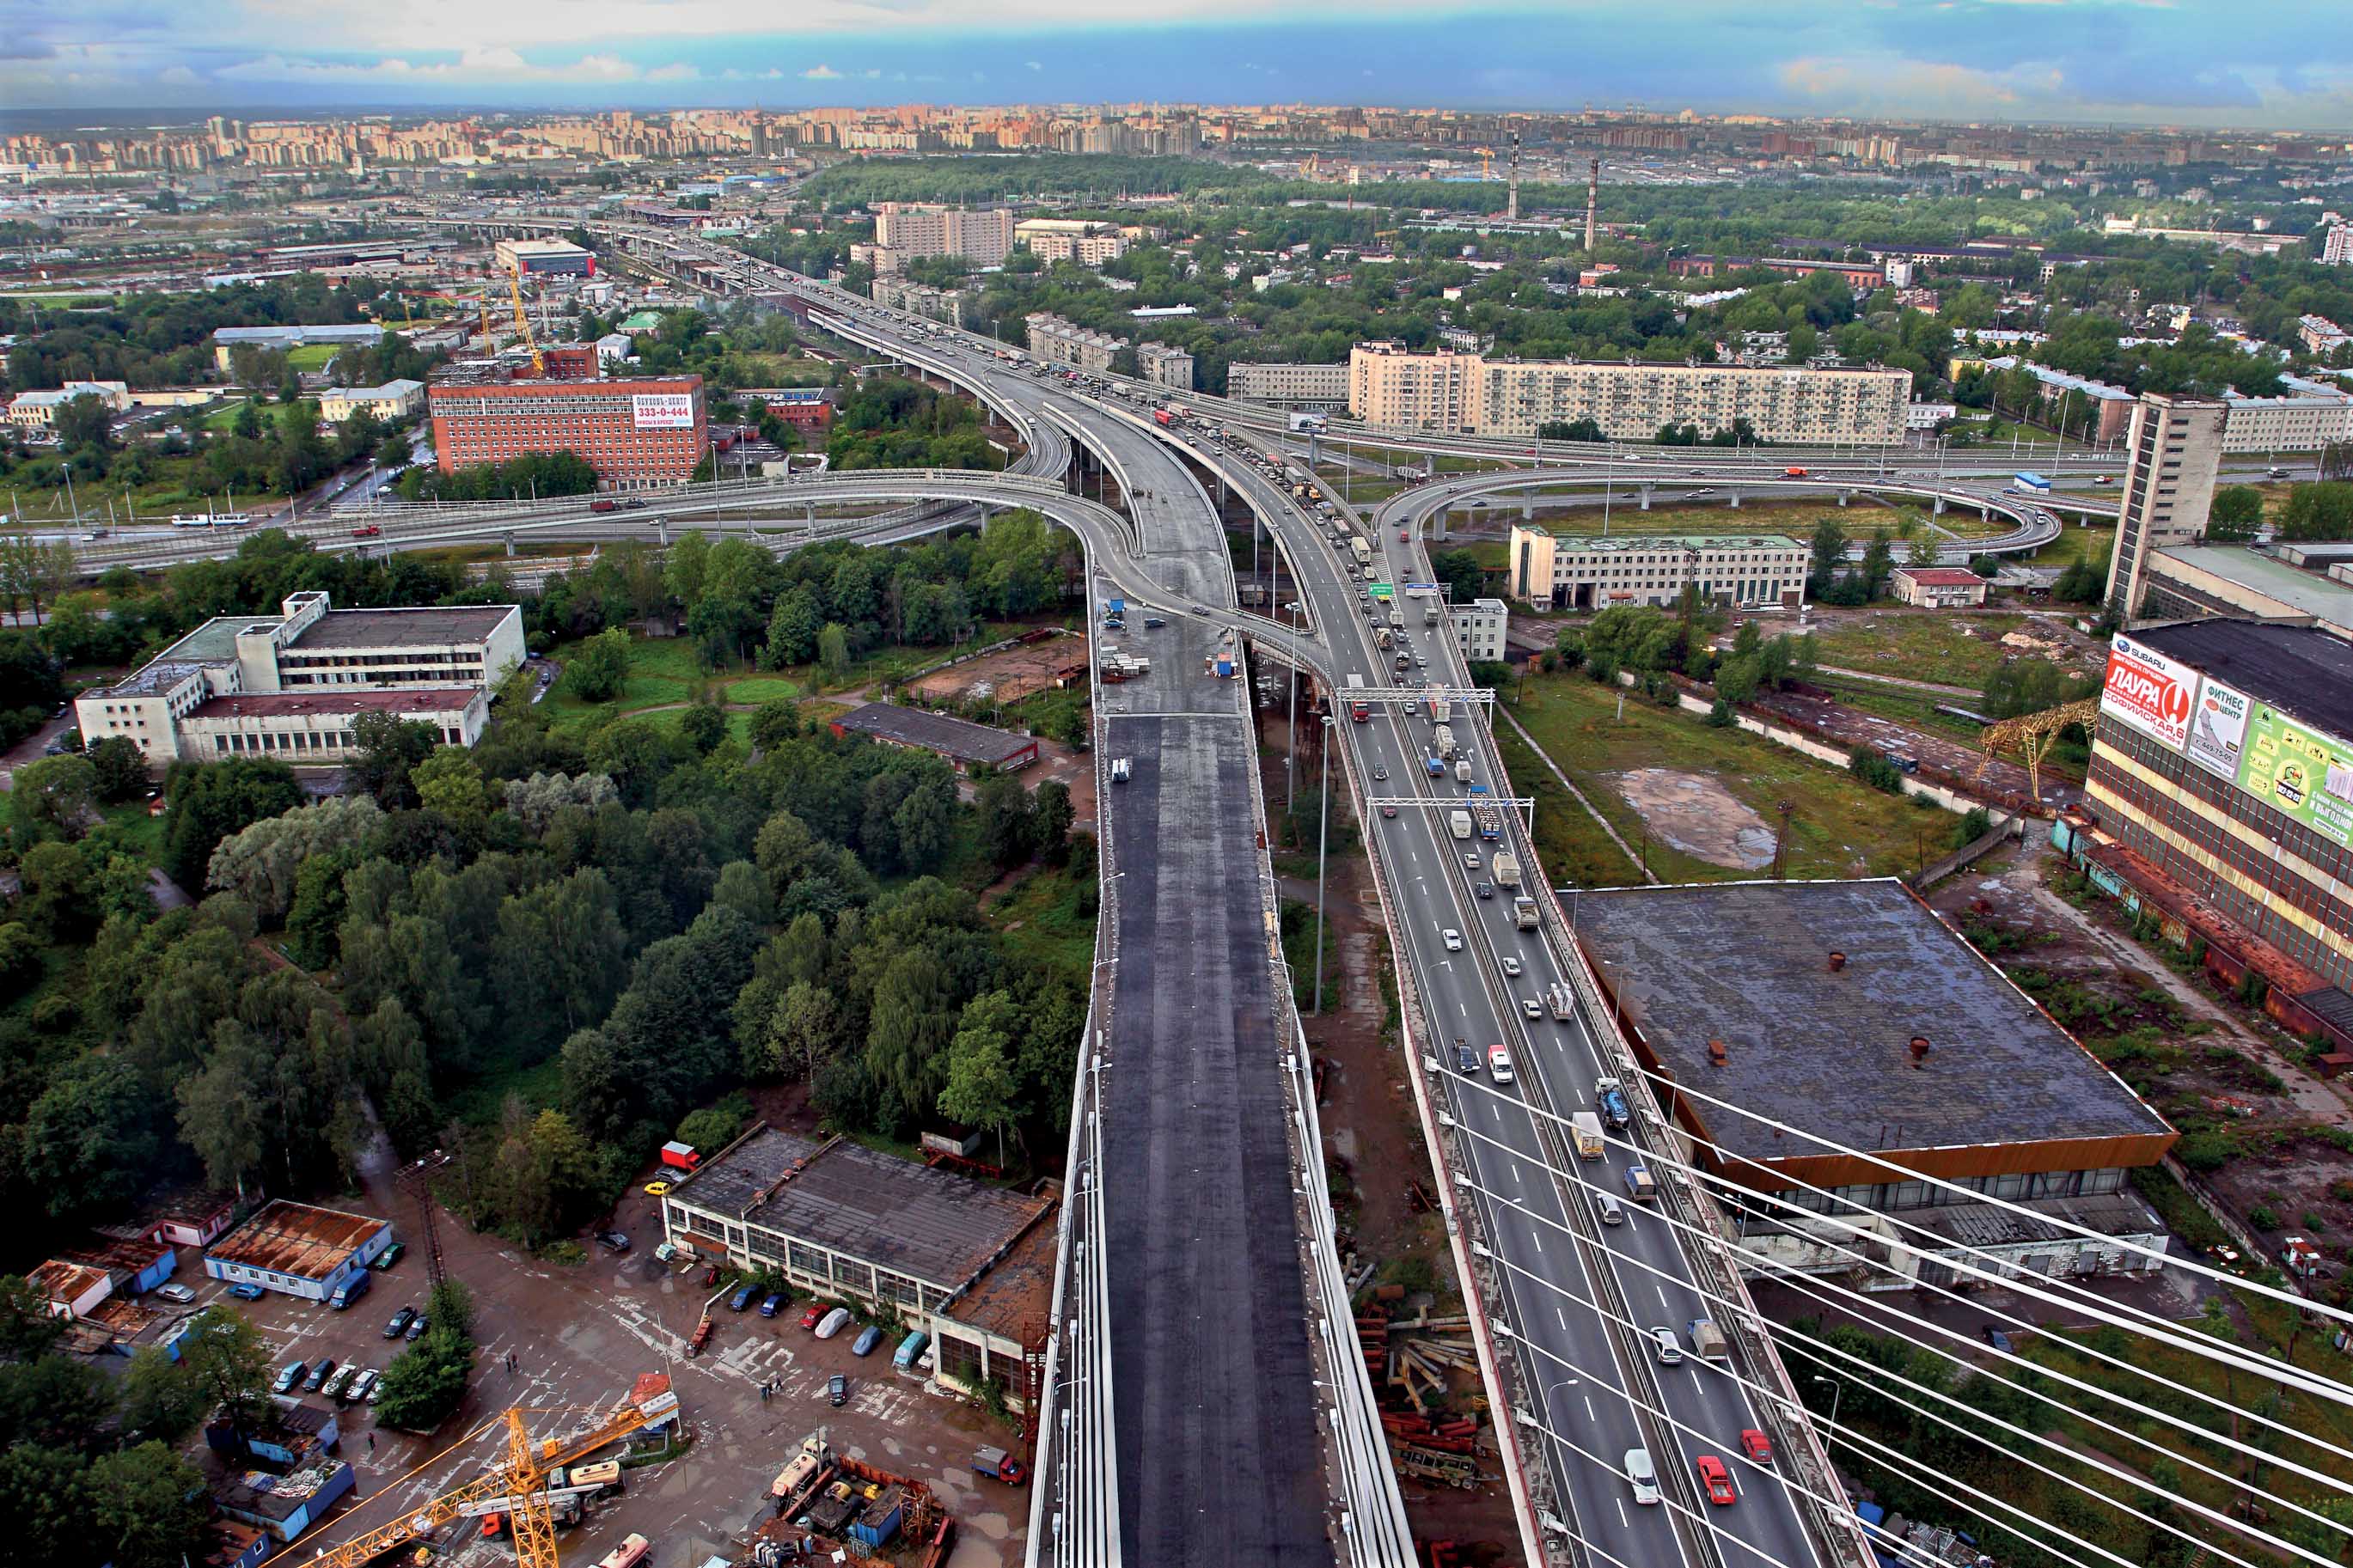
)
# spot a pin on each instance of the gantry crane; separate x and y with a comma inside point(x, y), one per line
point(521, 1478)
point(2033, 734)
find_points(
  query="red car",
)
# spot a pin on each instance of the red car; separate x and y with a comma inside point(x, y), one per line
point(1717, 1480)
point(1756, 1446)
point(368, 531)
point(1405, 536)
point(814, 1316)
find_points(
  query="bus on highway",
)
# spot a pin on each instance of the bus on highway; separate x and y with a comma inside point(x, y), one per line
point(2029, 484)
point(211, 520)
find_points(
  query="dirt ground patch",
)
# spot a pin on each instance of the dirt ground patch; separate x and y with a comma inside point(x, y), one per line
point(1699, 816)
point(1008, 676)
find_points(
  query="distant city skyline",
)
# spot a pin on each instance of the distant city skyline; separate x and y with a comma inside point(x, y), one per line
point(2286, 66)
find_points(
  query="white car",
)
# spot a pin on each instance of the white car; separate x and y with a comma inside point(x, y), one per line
point(1532, 1007)
point(834, 1322)
point(1511, 966)
point(1499, 1063)
point(179, 1293)
point(1645, 1478)
point(1453, 939)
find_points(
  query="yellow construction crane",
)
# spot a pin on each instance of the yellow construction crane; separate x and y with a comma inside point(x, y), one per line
point(1486, 161)
point(2034, 733)
point(522, 322)
point(521, 1480)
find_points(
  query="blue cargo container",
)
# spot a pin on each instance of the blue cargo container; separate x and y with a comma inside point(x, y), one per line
point(880, 1523)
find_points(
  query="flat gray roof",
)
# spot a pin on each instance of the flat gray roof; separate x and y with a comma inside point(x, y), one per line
point(938, 733)
point(2300, 669)
point(2305, 592)
point(1828, 1052)
point(934, 1225)
point(402, 628)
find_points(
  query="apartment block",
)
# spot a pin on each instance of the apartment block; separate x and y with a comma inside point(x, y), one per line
point(982, 235)
point(1479, 629)
point(1165, 367)
point(1319, 386)
point(1453, 393)
point(292, 685)
point(393, 400)
point(1583, 572)
point(2176, 445)
point(1084, 241)
point(636, 432)
point(1058, 342)
point(895, 293)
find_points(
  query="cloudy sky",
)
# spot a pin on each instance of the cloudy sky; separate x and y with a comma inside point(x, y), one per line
point(2284, 63)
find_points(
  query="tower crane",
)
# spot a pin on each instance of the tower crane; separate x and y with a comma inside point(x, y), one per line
point(1486, 163)
point(522, 322)
point(521, 1478)
point(2034, 733)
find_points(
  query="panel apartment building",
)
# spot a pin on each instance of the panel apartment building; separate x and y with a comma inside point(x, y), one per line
point(1299, 384)
point(292, 685)
point(1058, 341)
point(1582, 572)
point(982, 235)
point(2223, 759)
point(2176, 447)
point(1451, 393)
point(636, 432)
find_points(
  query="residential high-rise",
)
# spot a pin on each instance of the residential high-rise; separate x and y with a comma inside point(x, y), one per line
point(982, 235)
point(1163, 365)
point(2336, 250)
point(636, 432)
point(2176, 443)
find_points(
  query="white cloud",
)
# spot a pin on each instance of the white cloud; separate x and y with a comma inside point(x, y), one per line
point(177, 76)
point(680, 71)
point(485, 66)
point(1033, 65)
point(821, 73)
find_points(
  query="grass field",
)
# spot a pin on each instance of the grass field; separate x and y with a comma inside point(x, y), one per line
point(1051, 914)
point(1919, 645)
point(1918, 709)
point(313, 356)
point(2092, 545)
point(1575, 850)
point(1838, 826)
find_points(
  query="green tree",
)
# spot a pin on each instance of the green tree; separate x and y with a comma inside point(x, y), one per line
point(1829, 548)
point(426, 1382)
point(598, 670)
point(209, 801)
point(121, 770)
point(833, 650)
point(704, 726)
point(88, 1143)
point(981, 1089)
point(151, 1507)
point(2235, 515)
point(1008, 827)
point(162, 1398)
point(55, 795)
point(1051, 815)
point(450, 781)
point(84, 421)
point(385, 749)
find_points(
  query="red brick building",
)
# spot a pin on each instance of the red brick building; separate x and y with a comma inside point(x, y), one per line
point(636, 432)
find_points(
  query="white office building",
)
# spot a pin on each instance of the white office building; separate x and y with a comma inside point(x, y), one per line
point(292, 685)
point(1479, 629)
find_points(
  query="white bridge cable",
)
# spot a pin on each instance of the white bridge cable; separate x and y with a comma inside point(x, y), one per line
point(1907, 1174)
point(1982, 1264)
point(1945, 1250)
point(1761, 1391)
point(1617, 1389)
point(2190, 1429)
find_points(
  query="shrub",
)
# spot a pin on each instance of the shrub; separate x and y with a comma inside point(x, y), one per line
point(2262, 1219)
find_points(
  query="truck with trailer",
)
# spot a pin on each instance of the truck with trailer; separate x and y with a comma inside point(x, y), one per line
point(1459, 821)
point(1442, 738)
point(1507, 869)
point(1491, 818)
point(1525, 913)
point(1610, 1098)
point(1166, 417)
point(1363, 552)
point(1441, 706)
point(1585, 1130)
point(1360, 709)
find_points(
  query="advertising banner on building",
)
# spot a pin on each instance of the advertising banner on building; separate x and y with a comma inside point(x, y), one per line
point(663, 410)
point(2148, 691)
point(2300, 770)
point(2218, 729)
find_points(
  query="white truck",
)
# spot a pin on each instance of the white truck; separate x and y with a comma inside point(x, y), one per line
point(1585, 1128)
point(1523, 913)
point(1442, 739)
point(1459, 821)
point(1462, 770)
point(1364, 552)
point(1560, 999)
point(1507, 870)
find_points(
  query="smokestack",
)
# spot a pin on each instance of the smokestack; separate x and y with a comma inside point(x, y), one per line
point(1512, 201)
point(1592, 201)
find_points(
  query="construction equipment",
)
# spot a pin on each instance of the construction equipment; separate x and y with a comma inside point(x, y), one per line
point(523, 325)
point(2034, 733)
point(522, 1478)
point(1486, 163)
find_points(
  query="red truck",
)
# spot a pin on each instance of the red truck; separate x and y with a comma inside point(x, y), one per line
point(366, 530)
point(603, 505)
point(681, 1156)
point(1165, 415)
point(1793, 473)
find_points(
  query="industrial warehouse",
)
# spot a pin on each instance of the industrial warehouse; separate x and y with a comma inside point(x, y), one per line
point(918, 1244)
point(299, 1249)
point(1846, 1016)
point(973, 748)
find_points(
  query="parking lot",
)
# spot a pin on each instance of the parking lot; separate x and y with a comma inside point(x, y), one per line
point(578, 1337)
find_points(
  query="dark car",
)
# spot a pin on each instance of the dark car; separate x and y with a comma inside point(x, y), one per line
point(389, 1255)
point(1154, 622)
point(1466, 1060)
point(1998, 1339)
point(400, 1321)
point(837, 1390)
point(417, 1327)
point(740, 1299)
point(612, 1241)
point(1485, 889)
point(773, 1305)
point(321, 1369)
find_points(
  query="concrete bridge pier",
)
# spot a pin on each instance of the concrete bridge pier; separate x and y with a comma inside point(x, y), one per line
point(1844, 496)
point(1940, 507)
point(1644, 495)
point(1985, 514)
point(661, 530)
point(507, 539)
point(1736, 498)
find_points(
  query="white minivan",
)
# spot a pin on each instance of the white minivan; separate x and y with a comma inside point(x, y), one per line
point(1645, 1478)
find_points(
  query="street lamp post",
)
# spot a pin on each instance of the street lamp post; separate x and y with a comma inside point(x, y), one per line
point(1837, 1388)
point(1323, 837)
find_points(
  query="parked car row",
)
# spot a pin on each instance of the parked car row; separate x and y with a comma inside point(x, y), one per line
point(345, 1384)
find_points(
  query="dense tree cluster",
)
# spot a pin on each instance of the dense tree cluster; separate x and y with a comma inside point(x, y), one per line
point(162, 339)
